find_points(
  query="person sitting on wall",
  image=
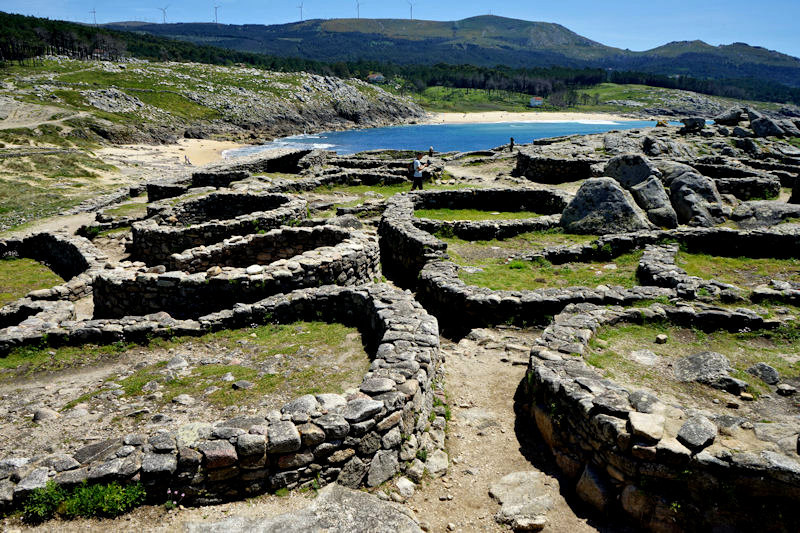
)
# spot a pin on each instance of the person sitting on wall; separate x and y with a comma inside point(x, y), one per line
point(418, 167)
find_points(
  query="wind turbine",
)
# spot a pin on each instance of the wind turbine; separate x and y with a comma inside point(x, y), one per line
point(163, 14)
point(300, 7)
point(411, 8)
point(358, 8)
point(216, 20)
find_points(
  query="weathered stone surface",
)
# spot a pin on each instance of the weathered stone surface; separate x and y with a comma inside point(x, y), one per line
point(630, 169)
point(765, 373)
point(361, 409)
point(334, 509)
point(36, 479)
point(383, 466)
point(352, 473)
point(525, 499)
point(601, 206)
point(730, 117)
point(703, 367)
point(652, 198)
point(311, 434)
point(335, 426)
point(696, 200)
point(766, 127)
point(304, 404)
point(283, 437)
point(436, 464)
point(249, 445)
point(649, 427)
point(595, 489)
point(697, 433)
point(40, 415)
point(159, 464)
point(693, 124)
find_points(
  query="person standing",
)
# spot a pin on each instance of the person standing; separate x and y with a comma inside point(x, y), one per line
point(418, 166)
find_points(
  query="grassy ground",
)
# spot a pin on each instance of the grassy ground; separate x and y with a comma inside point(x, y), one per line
point(464, 252)
point(497, 274)
point(473, 214)
point(447, 99)
point(776, 348)
point(127, 210)
point(20, 276)
point(740, 271)
point(304, 358)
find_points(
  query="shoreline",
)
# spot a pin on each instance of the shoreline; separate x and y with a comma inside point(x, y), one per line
point(523, 116)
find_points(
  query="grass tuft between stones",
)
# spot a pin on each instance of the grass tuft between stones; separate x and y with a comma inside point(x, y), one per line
point(82, 501)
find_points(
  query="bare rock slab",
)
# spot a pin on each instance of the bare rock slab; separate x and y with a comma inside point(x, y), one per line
point(525, 499)
point(336, 509)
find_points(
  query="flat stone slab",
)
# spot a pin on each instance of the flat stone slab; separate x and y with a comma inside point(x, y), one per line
point(525, 498)
point(335, 510)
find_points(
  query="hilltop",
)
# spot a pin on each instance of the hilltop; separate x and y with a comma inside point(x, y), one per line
point(484, 41)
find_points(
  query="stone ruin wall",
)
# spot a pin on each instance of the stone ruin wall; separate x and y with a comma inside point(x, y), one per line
point(183, 295)
point(153, 243)
point(597, 433)
point(365, 439)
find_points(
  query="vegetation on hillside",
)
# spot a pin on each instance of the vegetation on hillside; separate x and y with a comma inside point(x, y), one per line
point(23, 37)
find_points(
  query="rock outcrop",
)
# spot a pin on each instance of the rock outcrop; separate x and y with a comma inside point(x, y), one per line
point(601, 206)
point(696, 200)
point(336, 508)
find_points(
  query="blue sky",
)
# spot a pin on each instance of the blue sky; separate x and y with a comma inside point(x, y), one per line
point(633, 24)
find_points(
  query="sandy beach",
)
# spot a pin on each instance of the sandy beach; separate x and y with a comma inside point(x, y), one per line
point(529, 116)
point(199, 151)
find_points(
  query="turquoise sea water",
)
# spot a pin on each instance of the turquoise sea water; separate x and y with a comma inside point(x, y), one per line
point(443, 137)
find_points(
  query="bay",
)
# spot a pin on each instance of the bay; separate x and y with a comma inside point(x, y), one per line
point(443, 137)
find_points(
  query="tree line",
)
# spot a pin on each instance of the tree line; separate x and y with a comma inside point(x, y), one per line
point(24, 38)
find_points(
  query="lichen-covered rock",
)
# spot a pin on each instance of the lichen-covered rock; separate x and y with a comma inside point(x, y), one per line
point(731, 117)
point(696, 200)
point(630, 169)
point(602, 206)
point(651, 196)
point(766, 127)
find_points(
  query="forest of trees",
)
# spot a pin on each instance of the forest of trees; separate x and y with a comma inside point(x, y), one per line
point(24, 38)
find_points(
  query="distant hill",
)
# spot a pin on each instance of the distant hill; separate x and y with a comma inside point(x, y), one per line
point(483, 41)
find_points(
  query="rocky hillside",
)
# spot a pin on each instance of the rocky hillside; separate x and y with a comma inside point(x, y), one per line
point(139, 101)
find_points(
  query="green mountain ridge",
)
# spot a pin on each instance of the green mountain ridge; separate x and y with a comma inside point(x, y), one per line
point(484, 41)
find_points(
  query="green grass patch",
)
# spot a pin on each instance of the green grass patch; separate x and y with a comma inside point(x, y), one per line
point(740, 271)
point(127, 210)
point(743, 349)
point(85, 501)
point(20, 276)
point(497, 274)
point(473, 214)
point(468, 253)
point(338, 347)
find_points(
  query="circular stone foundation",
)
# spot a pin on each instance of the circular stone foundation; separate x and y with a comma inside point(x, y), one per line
point(355, 439)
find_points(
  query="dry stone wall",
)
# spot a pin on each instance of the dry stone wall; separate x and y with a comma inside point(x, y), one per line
point(210, 219)
point(612, 442)
point(74, 259)
point(124, 292)
point(363, 438)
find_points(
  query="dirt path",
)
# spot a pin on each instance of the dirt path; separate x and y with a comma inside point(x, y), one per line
point(485, 442)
